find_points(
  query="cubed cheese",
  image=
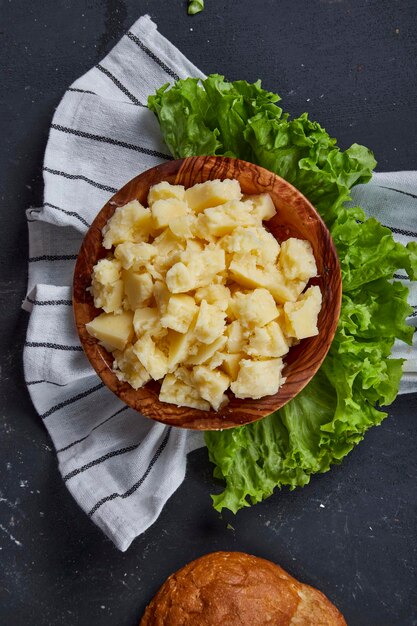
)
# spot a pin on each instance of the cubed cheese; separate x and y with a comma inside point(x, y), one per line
point(165, 191)
point(262, 206)
point(161, 294)
point(236, 337)
point(152, 358)
point(257, 379)
point(301, 316)
point(113, 330)
point(206, 265)
point(163, 211)
point(146, 320)
point(205, 352)
point(128, 368)
point(183, 226)
point(180, 312)
point(211, 385)
point(180, 279)
point(175, 391)
point(138, 288)
point(210, 323)
point(231, 363)
point(179, 346)
point(134, 255)
point(107, 286)
point(296, 260)
point(268, 341)
point(131, 222)
point(255, 308)
point(194, 284)
point(215, 294)
point(212, 193)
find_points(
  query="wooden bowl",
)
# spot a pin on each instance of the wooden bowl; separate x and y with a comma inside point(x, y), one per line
point(295, 217)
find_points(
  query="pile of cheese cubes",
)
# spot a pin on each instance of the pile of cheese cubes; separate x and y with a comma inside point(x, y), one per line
point(197, 294)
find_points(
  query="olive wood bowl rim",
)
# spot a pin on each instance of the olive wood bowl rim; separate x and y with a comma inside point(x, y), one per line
point(145, 400)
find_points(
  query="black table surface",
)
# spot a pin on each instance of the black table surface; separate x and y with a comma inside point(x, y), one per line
point(351, 532)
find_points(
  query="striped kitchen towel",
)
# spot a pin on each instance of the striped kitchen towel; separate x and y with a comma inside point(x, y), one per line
point(120, 467)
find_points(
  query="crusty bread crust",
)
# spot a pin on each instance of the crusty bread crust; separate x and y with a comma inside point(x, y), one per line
point(236, 589)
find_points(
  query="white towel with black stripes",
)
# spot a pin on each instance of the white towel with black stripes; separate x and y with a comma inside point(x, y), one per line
point(122, 468)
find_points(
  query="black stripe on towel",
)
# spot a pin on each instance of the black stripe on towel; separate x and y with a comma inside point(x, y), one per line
point(119, 85)
point(400, 276)
point(49, 382)
point(405, 193)
point(49, 302)
point(71, 213)
point(80, 177)
point(70, 445)
point(113, 142)
point(64, 403)
point(81, 90)
point(53, 346)
point(136, 485)
point(153, 56)
point(52, 257)
point(101, 459)
point(400, 231)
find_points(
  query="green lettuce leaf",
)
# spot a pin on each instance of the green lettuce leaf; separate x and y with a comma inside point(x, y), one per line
point(331, 415)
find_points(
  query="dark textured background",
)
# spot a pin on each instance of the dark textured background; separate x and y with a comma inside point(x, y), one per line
point(352, 65)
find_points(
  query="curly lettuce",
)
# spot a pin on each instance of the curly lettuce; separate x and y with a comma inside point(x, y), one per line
point(332, 414)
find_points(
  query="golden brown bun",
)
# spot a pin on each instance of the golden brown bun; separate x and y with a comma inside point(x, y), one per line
point(236, 589)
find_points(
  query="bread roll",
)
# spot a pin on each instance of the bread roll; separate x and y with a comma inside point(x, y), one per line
point(236, 589)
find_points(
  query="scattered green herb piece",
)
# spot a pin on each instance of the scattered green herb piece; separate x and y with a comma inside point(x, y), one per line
point(331, 415)
point(195, 6)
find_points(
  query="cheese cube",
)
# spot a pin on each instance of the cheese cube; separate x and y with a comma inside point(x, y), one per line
point(180, 312)
point(236, 337)
point(211, 385)
point(245, 272)
point(179, 278)
point(262, 206)
point(165, 191)
point(206, 265)
point(210, 323)
point(107, 286)
point(301, 316)
point(206, 351)
point(134, 255)
point(146, 320)
point(131, 222)
point(152, 358)
point(283, 290)
point(127, 367)
point(163, 211)
point(166, 243)
point(161, 294)
point(214, 223)
point(216, 294)
point(183, 226)
point(296, 260)
point(193, 247)
point(106, 271)
point(138, 288)
point(212, 193)
point(269, 248)
point(221, 220)
point(114, 330)
point(174, 391)
point(268, 341)
point(179, 346)
point(257, 379)
point(231, 363)
point(255, 308)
